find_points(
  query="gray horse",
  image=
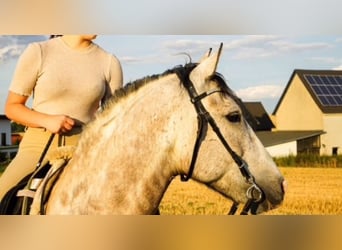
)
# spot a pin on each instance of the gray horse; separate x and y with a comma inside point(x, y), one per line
point(183, 122)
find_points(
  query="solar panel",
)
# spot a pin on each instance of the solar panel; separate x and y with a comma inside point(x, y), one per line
point(327, 88)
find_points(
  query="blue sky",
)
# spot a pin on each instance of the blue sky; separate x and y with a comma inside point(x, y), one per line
point(256, 67)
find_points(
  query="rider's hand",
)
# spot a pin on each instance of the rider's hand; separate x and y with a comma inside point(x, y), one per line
point(59, 124)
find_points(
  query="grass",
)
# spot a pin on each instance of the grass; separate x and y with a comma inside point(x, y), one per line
point(311, 191)
point(192, 198)
point(310, 160)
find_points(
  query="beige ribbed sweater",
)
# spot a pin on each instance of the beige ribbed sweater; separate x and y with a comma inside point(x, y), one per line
point(66, 81)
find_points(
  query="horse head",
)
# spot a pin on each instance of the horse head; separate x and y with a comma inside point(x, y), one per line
point(228, 155)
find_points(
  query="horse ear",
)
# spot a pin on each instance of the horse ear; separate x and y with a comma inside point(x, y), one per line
point(206, 67)
point(206, 55)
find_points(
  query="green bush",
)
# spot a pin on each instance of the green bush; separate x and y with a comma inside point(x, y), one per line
point(3, 156)
point(309, 160)
point(3, 165)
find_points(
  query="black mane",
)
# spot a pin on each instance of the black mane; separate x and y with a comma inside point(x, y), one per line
point(133, 86)
point(183, 72)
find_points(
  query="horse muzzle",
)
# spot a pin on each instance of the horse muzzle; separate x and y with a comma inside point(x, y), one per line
point(273, 199)
point(259, 202)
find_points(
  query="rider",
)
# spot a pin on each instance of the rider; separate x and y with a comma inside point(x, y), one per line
point(68, 77)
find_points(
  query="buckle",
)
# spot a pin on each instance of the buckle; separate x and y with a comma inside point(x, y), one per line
point(254, 193)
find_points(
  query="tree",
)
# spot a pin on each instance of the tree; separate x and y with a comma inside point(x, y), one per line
point(17, 128)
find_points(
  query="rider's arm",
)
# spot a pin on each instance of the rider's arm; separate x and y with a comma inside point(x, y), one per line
point(17, 111)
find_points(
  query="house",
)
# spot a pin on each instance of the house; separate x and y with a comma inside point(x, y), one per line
point(5, 131)
point(311, 104)
point(277, 143)
point(257, 117)
point(284, 143)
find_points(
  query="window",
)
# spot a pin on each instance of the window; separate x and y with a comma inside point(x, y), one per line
point(3, 139)
point(309, 145)
point(334, 151)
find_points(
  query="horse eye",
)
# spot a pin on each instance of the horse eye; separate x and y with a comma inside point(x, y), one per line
point(234, 117)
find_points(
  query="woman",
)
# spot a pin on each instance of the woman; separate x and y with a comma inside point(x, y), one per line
point(69, 78)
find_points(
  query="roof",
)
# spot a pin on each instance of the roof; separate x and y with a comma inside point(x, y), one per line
point(272, 138)
point(324, 86)
point(260, 120)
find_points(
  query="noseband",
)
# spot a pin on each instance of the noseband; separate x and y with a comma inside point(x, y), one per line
point(254, 193)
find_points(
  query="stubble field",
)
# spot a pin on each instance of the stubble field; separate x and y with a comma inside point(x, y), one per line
point(311, 191)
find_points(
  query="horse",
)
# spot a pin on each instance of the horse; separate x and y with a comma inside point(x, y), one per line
point(184, 122)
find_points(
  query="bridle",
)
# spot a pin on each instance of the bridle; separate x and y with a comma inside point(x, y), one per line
point(254, 193)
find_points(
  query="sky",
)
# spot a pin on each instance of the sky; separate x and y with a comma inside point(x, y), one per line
point(256, 67)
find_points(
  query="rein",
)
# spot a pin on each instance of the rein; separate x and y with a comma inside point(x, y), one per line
point(254, 193)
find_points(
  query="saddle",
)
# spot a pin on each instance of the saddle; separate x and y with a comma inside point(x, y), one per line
point(30, 195)
point(20, 197)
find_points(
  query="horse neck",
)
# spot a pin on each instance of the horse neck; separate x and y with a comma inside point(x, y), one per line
point(151, 120)
point(161, 109)
point(140, 147)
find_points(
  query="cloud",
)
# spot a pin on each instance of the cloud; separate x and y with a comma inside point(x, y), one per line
point(235, 48)
point(186, 45)
point(13, 46)
point(260, 92)
point(158, 58)
point(338, 67)
point(229, 43)
point(251, 41)
point(241, 46)
point(329, 62)
point(131, 59)
point(338, 40)
point(195, 49)
point(256, 46)
point(326, 60)
point(10, 51)
point(147, 59)
point(288, 46)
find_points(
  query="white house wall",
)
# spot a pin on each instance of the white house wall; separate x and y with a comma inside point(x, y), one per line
point(5, 127)
point(285, 149)
point(298, 111)
point(333, 136)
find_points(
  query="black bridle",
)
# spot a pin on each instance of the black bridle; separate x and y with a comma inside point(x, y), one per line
point(254, 193)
